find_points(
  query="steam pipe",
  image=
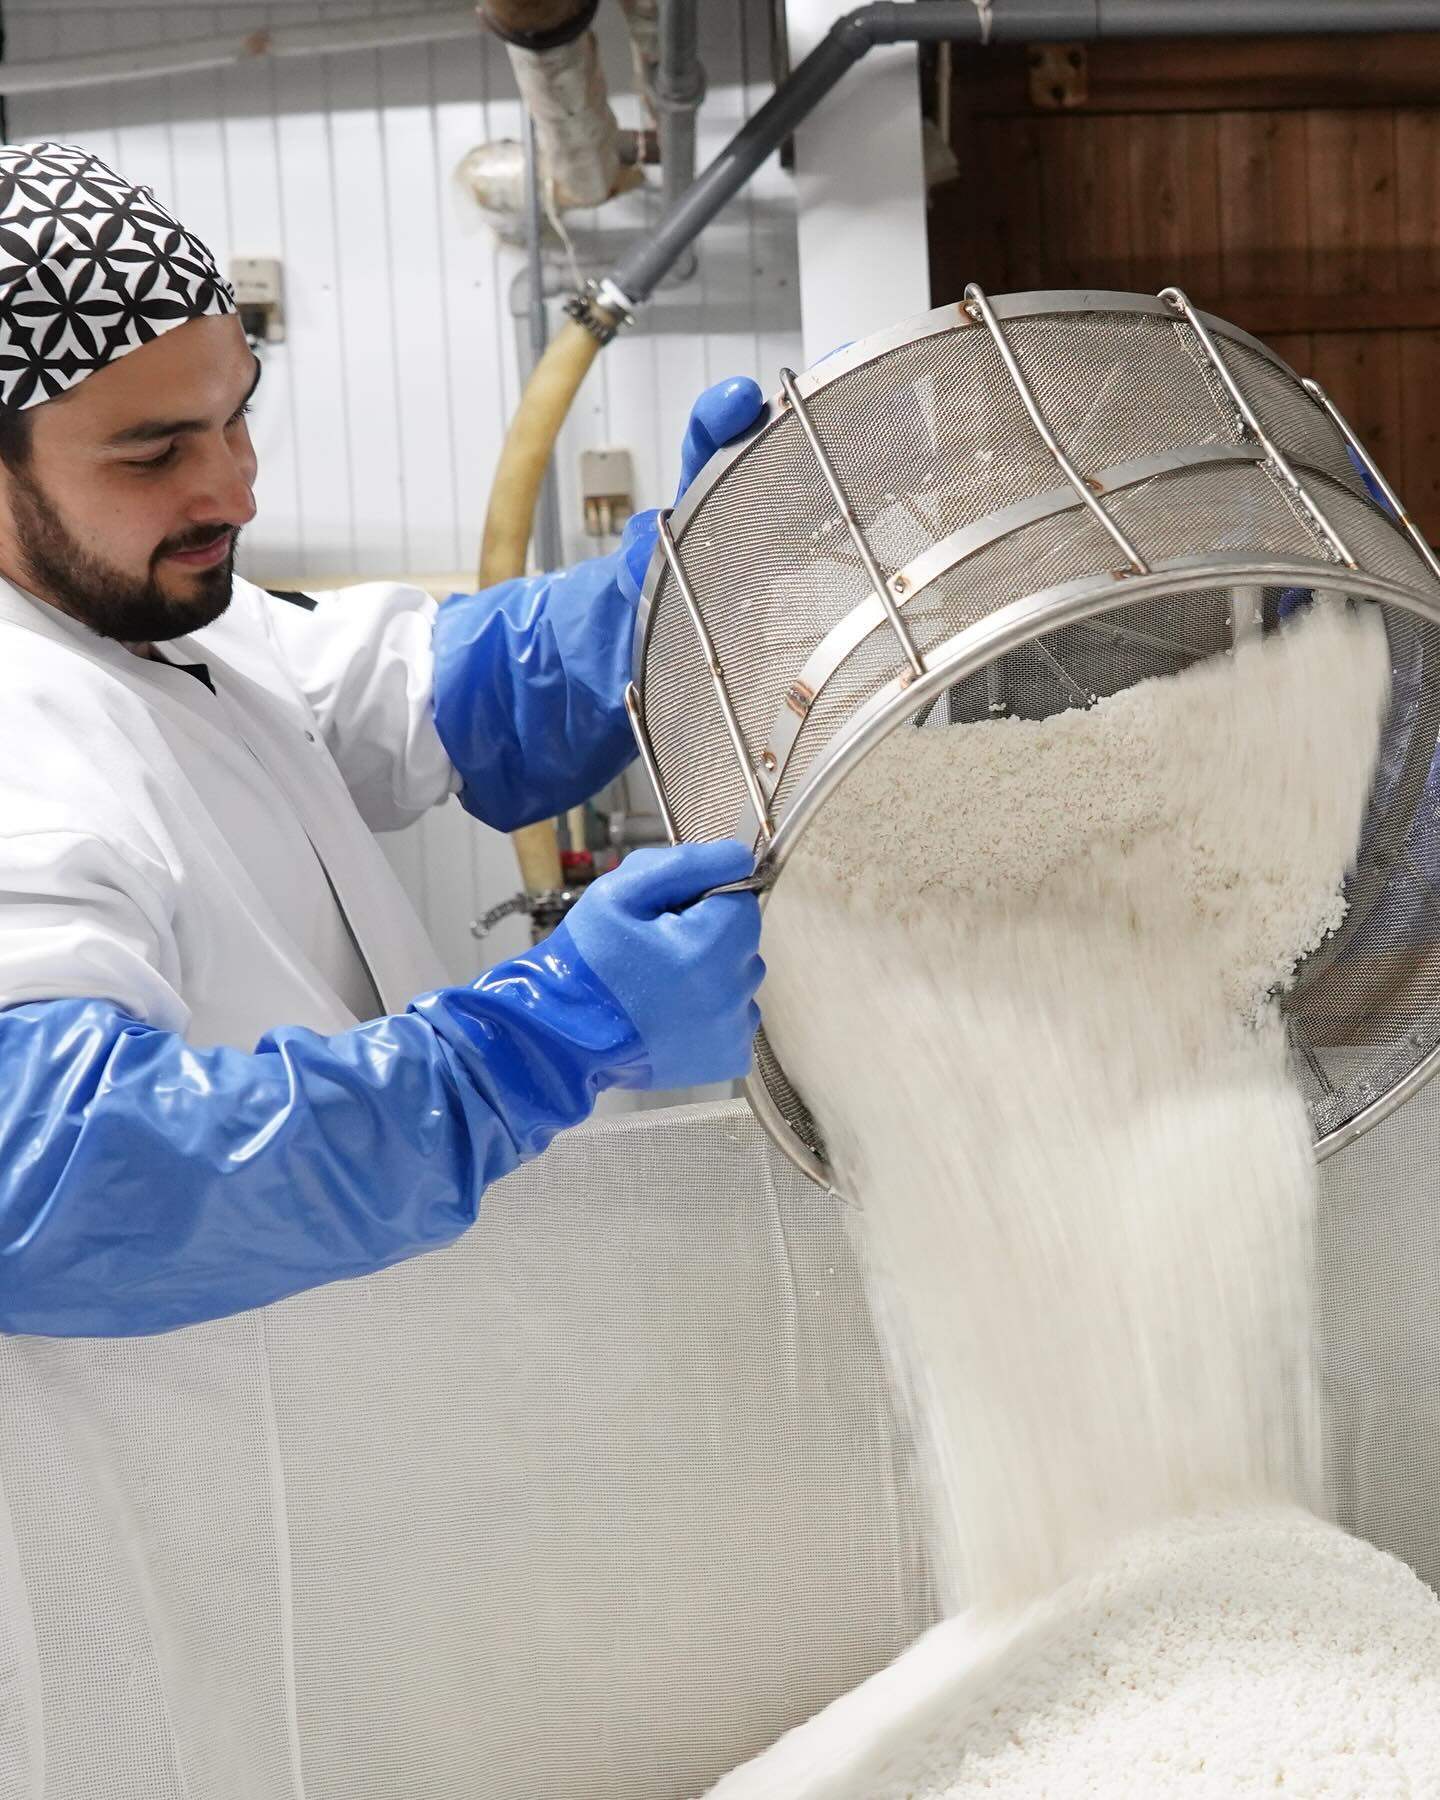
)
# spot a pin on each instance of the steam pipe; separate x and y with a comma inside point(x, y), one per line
point(556, 65)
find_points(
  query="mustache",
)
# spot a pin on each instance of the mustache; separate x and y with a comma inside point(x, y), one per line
point(199, 537)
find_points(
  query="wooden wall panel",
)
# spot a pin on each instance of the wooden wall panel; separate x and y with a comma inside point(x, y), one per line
point(1350, 158)
point(1291, 187)
point(1417, 200)
point(1264, 201)
point(1216, 74)
point(1014, 208)
point(1084, 179)
point(1174, 201)
point(1360, 371)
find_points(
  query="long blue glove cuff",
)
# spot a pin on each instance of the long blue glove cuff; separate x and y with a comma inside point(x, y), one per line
point(530, 681)
point(530, 675)
point(146, 1185)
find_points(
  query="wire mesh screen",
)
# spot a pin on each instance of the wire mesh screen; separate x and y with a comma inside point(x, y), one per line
point(1020, 452)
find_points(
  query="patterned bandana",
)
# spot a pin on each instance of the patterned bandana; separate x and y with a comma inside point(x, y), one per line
point(91, 268)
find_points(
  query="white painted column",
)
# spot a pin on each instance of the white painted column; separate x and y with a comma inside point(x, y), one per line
point(861, 191)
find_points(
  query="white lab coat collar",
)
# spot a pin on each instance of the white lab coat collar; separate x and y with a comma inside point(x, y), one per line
point(257, 715)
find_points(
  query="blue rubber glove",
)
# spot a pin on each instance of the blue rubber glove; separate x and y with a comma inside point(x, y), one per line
point(1372, 487)
point(146, 1184)
point(684, 970)
point(530, 675)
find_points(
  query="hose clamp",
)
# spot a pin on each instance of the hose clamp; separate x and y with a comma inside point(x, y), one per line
point(602, 309)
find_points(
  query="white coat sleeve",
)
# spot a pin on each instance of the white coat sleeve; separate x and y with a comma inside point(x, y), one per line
point(81, 918)
point(362, 658)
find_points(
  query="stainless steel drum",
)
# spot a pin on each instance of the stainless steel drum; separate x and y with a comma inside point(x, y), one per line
point(1017, 505)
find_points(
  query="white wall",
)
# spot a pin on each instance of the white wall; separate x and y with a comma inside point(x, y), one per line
point(860, 186)
point(380, 417)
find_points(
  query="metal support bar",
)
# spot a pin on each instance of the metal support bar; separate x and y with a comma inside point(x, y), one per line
point(1246, 621)
point(647, 758)
point(852, 524)
point(1173, 297)
point(1417, 537)
point(1053, 663)
point(671, 553)
point(979, 308)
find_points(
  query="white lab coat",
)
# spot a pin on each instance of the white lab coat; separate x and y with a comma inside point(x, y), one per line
point(206, 861)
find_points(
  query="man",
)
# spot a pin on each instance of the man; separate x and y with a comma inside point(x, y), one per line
point(228, 1067)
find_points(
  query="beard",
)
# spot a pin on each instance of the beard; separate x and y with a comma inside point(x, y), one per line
point(110, 602)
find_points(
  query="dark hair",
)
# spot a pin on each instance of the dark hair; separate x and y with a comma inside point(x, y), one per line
point(14, 437)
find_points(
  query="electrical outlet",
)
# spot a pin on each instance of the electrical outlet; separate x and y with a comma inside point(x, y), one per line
point(607, 490)
point(259, 295)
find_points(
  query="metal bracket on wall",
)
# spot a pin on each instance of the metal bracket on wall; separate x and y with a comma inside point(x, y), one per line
point(1059, 76)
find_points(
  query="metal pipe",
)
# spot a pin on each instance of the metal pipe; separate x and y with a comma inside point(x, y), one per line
point(637, 274)
point(562, 84)
point(1253, 18)
point(549, 546)
point(643, 22)
point(679, 89)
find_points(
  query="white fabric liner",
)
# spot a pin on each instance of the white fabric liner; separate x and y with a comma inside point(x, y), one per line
point(597, 1502)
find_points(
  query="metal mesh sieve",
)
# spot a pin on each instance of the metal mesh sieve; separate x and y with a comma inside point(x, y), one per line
point(1018, 505)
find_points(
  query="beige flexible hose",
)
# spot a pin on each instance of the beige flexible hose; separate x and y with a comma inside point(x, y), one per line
point(510, 516)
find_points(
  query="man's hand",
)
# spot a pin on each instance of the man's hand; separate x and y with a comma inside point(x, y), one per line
point(684, 968)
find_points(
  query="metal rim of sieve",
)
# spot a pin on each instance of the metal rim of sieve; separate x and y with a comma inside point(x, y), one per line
point(1006, 630)
point(881, 343)
point(1024, 620)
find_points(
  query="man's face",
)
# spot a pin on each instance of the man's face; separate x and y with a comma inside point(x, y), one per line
point(126, 513)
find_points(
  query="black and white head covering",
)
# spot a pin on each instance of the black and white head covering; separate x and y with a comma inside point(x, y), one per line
point(91, 268)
